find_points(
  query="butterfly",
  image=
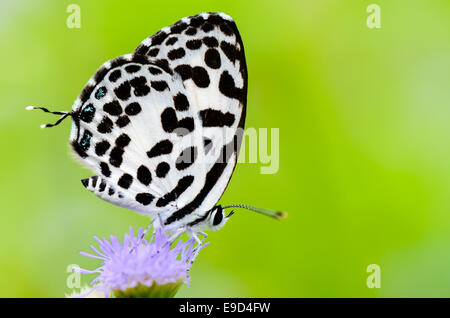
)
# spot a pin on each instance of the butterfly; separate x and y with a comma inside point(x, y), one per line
point(162, 127)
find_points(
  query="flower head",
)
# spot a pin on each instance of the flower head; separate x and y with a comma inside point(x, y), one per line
point(141, 268)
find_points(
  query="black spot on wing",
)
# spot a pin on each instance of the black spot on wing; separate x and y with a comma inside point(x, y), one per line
point(207, 144)
point(197, 21)
point(153, 52)
point(226, 29)
point(141, 49)
point(102, 147)
point(185, 126)
point(170, 122)
point(207, 27)
point(181, 102)
point(85, 182)
point(119, 61)
point(228, 87)
point(133, 68)
point(114, 76)
point(141, 59)
point(164, 64)
point(90, 182)
point(176, 54)
point(87, 113)
point(224, 25)
point(122, 121)
point(140, 86)
point(85, 141)
point(229, 50)
point(193, 44)
point(183, 185)
point(185, 71)
point(144, 198)
point(115, 157)
point(123, 92)
point(215, 19)
point(125, 181)
point(169, 119)
point(102, 185)
point(191, 31)
point(100, 74)
point(133, 109)
point(144, 175)
point(77, 148)
point(86, 93)
point(172, 40)
point(216, 118)
point(178, 27)
point(162, 169)
point(200, 77)
point(123, 140)
point(154, 70)
point(163, 147)
point(104, 168)
point(113, 108)
point(101, 92)
point(116, 154)
point(186, 158)
point(105, 126)
point(212, 58)
point(159, 37)
point(210, 41)
point(159, 85)
point(94, 181)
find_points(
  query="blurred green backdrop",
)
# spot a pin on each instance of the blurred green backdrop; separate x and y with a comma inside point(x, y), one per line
point(364, 147)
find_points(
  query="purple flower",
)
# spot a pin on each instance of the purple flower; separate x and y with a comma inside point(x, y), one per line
point(141, 268)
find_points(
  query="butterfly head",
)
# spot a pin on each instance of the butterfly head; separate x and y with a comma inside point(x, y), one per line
point(217, 218)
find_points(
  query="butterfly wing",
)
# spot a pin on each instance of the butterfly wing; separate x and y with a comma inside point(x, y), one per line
point(207, 53)
point(160, 126)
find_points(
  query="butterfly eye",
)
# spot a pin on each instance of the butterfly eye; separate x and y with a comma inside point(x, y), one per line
point(100, 92)
point(218, 217)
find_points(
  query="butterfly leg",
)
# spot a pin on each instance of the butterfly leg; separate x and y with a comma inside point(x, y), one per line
point(176, 235)
point(161, 223)
point(203, 234)
point(142, 236)
point(195, 236)
point(147, 229)
point(200, 243)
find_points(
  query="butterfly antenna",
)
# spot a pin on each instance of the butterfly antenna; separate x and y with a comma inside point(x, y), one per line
point(63, 115)
point(272, 213)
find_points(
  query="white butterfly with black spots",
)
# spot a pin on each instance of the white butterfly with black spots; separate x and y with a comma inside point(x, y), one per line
point(162, 126)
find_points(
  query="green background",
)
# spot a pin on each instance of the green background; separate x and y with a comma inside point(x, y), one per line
point(364, 147)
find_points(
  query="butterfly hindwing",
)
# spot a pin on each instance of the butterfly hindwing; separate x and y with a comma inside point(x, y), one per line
point(161, 126)
point(124, 136)
point(111, 193)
